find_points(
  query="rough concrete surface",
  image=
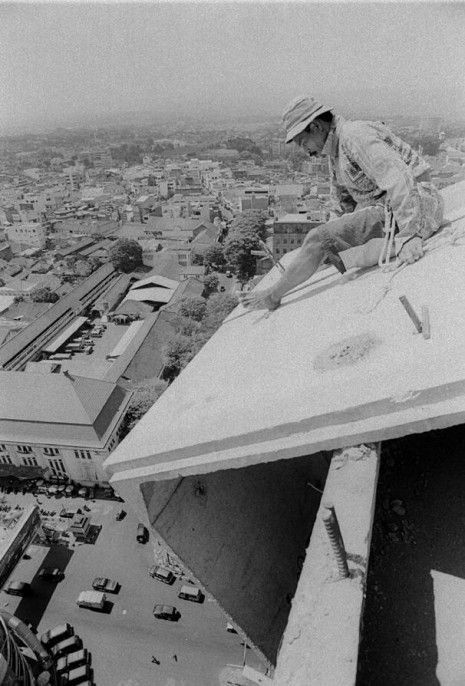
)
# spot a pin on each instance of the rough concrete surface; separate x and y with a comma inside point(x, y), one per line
point(414, 621)
point(320, 644)
point(253, 393)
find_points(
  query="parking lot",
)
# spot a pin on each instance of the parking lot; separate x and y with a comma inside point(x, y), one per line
point(193, 651)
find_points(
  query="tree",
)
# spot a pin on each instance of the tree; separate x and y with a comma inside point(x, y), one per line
point(210, 285)
point(193, 308)
point(219, 305)
point(246, 232)
point(197, 259)
point(94, 262)
point(213, 257)
point(176, 354)
point(126, 255)
point(250, 222)
point(44, 294)
point(145, 395)
point(83, 268)
point(192, 335)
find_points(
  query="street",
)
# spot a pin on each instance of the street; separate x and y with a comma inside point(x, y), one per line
point(124, 639)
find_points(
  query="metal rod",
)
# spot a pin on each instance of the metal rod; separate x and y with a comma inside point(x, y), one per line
point(425, 324)
point(411, 312)
point(335, 538)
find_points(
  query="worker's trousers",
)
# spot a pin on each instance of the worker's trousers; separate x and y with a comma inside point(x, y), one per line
point(356, 239)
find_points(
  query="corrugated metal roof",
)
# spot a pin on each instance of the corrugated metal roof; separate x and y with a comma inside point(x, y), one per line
point(158, 295)
point(65, 335)
point(125, 340)
point(53, 314)
point(155, 280)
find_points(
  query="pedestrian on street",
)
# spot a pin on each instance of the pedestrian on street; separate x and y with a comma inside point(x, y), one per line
point(154, 660)
point(380, 189)
point(175, 657)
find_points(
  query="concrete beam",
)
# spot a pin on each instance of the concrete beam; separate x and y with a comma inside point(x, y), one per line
point(321, 641)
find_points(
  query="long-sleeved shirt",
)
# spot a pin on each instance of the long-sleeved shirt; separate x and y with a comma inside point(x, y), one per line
point(369, 164)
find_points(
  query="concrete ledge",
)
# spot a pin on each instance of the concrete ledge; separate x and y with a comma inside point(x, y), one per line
point(321, 640)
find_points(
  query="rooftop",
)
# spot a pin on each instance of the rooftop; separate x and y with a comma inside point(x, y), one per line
point(327, 335)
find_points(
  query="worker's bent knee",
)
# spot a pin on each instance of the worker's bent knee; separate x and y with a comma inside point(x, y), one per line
point(313, 243)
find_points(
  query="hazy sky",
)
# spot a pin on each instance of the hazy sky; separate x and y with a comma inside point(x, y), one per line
point(60, 61)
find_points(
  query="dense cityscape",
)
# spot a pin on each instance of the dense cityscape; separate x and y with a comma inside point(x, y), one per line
point(231, 343)
point(122, 251)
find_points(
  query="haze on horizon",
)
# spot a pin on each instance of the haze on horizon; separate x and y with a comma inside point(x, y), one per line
point(63, 63)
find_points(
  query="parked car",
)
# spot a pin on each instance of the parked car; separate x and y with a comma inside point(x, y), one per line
point(93, 600)
point(120, 515)
point(58, 633)
point(192, 593)
point(228, 274)
point(81, 675)
point(51, 574)
point(18, 588)
point(69, 490)
point(83, 492)
point(101, 583)
point(142, 534)
point(162, 574)
point(68, 645)
point(166, 612)
point(73, 660)
point(230, 628)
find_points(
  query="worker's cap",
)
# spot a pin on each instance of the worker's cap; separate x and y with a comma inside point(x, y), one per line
point(299, 113)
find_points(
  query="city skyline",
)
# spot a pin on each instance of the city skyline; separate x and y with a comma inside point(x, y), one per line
point(68, 64)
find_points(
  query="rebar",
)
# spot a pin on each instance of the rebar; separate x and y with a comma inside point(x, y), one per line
point(335, 538)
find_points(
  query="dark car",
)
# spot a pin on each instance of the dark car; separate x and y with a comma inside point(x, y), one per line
point(18, 588)
point(51, 574)
point(120, 515)
point(67, 646)
point(101, 583)
point(72, 661)
point(56, 635)
point(162, 574)
point(142, 534)
point(166, 612)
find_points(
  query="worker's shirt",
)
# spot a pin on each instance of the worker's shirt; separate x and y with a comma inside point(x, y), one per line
point(369, 165)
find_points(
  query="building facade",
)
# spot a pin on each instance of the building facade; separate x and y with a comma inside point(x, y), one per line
point(289, 233)
point(67, 425)
point(27, 235)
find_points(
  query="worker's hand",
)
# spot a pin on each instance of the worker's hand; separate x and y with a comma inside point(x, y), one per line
point(411, 251)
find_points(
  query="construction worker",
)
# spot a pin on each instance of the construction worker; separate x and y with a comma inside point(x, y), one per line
point(377, 181)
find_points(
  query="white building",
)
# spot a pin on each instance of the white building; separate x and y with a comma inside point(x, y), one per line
point(65, 424)
point(27, 235)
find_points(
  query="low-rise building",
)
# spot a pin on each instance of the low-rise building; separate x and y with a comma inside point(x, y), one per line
point(65, 424)
point(24, 235)
point(289, 233)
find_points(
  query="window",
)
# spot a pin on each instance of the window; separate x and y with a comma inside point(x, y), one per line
point(57, 467)
point(25, 449)
point(83, 454)
point(30, 461)
point(6, 459)
point(51, 451)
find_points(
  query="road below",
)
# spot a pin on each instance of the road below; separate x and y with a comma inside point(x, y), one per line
point(191, 652)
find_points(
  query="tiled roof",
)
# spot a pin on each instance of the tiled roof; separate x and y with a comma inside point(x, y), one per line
point(57, 398)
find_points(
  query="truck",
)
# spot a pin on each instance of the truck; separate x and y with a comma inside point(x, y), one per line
point(94, 600)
